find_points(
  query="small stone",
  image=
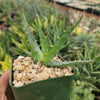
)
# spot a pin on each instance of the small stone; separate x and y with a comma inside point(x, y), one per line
point(26, 63)
point(49, 70)
point(56, 69)
point(19, 68)
point(28, 70)
point(30, 75)
point(68, 74)
point(39, 64)
point(44, 75)
point(37, 77)
point(45, 69)
point(52, 68)
point(24, 73)
point(65, 71)
point(14, 82)
point(20, 57)
point(56, 58)
point(15, 62)
point(35, 66)
point(30, 66)
point(23, 81)
point(32, 80)
point(27, 82)
point(69, 69)
point(43, 66)
point(18, 84)
point(52, 75)
point(58, 74)
point(26, 79)
point(17, 76)
point(34, 71)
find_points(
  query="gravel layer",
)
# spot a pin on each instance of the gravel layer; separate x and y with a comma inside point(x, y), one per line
point(25, 71)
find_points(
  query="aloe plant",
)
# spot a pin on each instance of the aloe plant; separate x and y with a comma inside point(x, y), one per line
point(45, 52)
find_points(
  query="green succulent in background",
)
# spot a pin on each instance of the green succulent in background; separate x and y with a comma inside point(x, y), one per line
point(82, 91)
point(80, 41)
point(85, 47)
point(9, 12)
point(76, 45)
point(6, 63)
point(5, 60)
point(47, 16)
point(4, 41)
point(17, 37)
point(90, 72)
point(1, 53)
point(6, 9)
point(34, 7)
point(82, 38)
point(98, 38)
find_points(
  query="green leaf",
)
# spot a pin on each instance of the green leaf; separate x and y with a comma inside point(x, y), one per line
point(97, 58)
point(44, 41)
point(90, 79)
point(58, 45)
point(55, 49)
point(36, 52)
point(65, 63)
point(16, 43)
point(28, 53)
point(97, 73)
point(17, 51)
point(5, 65)
point(1, 53)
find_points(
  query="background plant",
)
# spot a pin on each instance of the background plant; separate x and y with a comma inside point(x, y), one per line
point(82, 91)
point(82, 43)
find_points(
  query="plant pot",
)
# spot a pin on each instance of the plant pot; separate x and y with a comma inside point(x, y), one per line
point(51, 89)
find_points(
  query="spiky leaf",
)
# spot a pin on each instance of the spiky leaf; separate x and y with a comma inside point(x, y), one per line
point(36, 52)
point(66, 63)
point(44, 41)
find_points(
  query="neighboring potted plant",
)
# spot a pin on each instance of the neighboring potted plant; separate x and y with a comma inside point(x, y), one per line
point(51, 88)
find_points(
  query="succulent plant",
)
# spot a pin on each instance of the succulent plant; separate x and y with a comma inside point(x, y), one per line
point(82, 91)
point(45, 52)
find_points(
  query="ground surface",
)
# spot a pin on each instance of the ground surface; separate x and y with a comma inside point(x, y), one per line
point(92, 6)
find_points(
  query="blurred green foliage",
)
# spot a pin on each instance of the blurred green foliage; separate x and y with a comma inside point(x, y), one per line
point(82, 44)
point(82, 91)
